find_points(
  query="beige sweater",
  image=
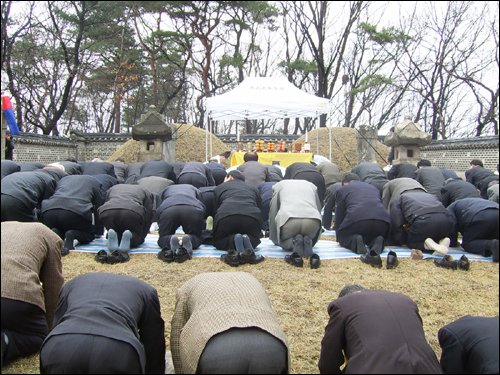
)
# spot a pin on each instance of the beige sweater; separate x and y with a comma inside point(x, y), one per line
point(211, 303)
point(31, 265)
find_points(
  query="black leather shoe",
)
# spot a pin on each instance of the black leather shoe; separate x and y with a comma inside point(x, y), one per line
point(249, 256)
point(463, 263)
point(231, 258)
point(294, 259)
point(166, 255)
point(314, 261)
point(360, 245)
point(372, 258)
point(446, 262)
point(102, 256)
point(64, 251)
point(181, 255)
point(118, 257)
point(392, 260)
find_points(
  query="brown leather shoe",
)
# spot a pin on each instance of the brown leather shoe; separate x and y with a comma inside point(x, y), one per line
point(463, 263)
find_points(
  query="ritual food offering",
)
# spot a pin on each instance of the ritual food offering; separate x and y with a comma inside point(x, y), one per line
point(298, 147)
point(270, 147)
point(282, 146)
point(259, 146)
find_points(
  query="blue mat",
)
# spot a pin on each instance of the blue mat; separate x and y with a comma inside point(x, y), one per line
point(325, 249)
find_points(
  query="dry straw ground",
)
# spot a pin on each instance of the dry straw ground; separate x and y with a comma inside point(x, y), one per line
point(300, 296)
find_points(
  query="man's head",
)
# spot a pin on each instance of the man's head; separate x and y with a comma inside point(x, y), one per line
point(224, 156)
point(251, 156)
point(8, 135)
point(234, 175)
point(448, 180)
point(349, 177)
point(120, 160)
point(423, 163)
point(476, 163)
point(71, 159)
point(349, 289)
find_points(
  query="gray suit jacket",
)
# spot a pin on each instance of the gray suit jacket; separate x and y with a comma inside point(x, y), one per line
point(292, 199)
point(398, 186)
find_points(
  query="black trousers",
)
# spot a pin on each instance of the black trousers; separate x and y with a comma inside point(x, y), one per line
point(25, 326)
point(229, 226)
point(243, 351)
point(121, 220)
point(70, 223)
point(484, 228)
point(192, 220)
point(435, 225)
point(15, 210)
point(369, 229)
point(88, 354)
point(195, 179)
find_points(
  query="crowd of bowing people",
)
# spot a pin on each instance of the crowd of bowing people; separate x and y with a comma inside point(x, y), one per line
point(53, 205)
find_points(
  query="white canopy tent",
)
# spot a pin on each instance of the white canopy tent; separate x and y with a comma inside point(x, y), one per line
point(265, 98)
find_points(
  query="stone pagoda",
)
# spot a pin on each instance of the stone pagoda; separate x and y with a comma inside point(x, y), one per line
point(156, 137)
point(406, 140)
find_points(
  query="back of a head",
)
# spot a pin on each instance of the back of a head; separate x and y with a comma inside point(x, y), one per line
point(349, 289)
point(226, 154)
point(251, 156)
point(477, 163)
point(423, 163)
point(349, 177)
point(237, 175)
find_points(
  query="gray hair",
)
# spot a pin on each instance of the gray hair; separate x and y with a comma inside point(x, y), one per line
point(349, 289)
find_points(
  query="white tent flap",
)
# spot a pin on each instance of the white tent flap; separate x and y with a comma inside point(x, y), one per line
point(265, 98)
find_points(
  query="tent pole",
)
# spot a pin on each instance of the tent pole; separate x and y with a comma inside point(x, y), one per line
point(317, 138)
point(210, 126)
point(330, 136)
point(206, 140)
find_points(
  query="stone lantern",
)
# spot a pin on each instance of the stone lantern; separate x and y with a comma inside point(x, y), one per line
point(406, 140)
point(156, 137)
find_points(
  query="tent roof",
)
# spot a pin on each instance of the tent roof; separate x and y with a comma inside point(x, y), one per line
point(265, 98)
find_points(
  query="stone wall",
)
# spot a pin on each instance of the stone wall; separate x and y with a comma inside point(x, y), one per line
point(450, 154)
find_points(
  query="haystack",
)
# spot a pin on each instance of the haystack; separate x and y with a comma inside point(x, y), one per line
point(190, 146)
point(344, 147)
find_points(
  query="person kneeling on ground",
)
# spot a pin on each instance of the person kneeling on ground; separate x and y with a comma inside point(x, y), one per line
point(248, 340)
point(367, 330)
point(31, 280)
point(295, 220)
point(105, 324)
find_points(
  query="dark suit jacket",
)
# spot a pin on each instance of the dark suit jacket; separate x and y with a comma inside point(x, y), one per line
point(379, 332)
point(175, 195)
point(199, 169)
point(93, 168)
point(372, 174)
point(308, 172)
point(431, 179)
point(330, 204)
point(470, 346)
point(456, 190)
point(9, 167)
point(159, 168)
point(30, 188)
point(255, 173)
point(402, 170)
point(358, 201)
point(480, 177)
point(236, 197)
point(118, 307)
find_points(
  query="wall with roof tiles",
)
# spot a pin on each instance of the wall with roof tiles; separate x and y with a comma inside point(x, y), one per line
point(450, 154)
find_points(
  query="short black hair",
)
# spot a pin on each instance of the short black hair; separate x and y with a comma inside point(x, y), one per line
point(226, 154)
point(349, 289)
point(392, 129)
point(71, 159)
point(251, 156)
point(237, 175)
point(120, 159)
point(423, 163)
point(348, 177)
point(476, 162)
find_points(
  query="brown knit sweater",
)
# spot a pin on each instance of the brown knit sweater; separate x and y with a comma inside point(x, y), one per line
point(211, 303)
point(31, 265)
